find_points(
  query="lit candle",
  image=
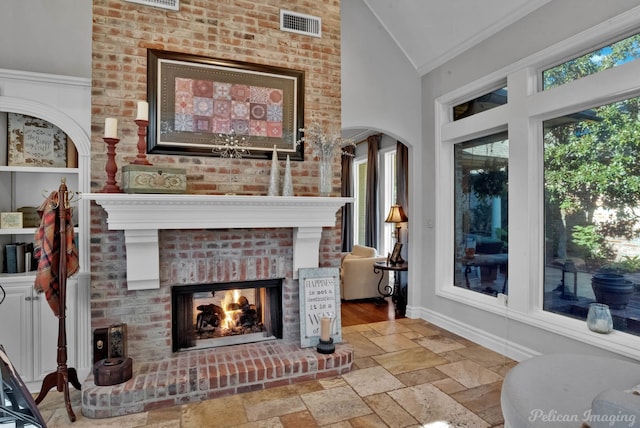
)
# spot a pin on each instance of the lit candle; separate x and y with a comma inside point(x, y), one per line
point(110, 128)
point(325, 329)
point(143, 111)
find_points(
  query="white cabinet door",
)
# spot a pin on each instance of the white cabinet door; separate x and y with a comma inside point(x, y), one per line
point(16, 327)
point(45, 334)
point(29, 329)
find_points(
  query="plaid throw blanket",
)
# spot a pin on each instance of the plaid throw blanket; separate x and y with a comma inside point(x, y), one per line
point(47, 251)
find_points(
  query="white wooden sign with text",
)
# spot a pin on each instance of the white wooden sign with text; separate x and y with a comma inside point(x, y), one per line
point(319, 298)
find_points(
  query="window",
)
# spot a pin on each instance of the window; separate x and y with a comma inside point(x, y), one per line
point(572, 205)
point(595, 61)
point(482, 103)
point(481, 200)
point(360, 188)
point(592, 212)
point(386, 193)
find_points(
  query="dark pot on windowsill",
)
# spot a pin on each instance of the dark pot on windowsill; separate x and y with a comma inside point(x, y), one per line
point(612, 289)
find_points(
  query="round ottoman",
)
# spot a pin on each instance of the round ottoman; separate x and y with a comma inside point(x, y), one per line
point(557, 390)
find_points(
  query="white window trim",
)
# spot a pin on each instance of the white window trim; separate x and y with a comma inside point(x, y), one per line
point(522, 115)
point(385, 191)
point(357, 161)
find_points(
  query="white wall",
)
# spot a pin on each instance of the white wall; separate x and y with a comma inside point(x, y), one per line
point(552, 23)
point(45, 70)
point(381, 92)
point(46, 36)
point(380, 88)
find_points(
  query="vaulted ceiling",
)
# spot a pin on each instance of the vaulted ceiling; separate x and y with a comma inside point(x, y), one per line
point(431, 32)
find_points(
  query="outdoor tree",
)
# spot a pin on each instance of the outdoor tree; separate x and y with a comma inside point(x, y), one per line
point(591, 160)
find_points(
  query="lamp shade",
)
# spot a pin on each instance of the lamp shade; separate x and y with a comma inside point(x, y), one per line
point(396, 215)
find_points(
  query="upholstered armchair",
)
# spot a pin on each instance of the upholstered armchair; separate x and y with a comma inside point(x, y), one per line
point(357, 279)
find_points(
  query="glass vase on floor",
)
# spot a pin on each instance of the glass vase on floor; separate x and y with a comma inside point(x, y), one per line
point(599, 318)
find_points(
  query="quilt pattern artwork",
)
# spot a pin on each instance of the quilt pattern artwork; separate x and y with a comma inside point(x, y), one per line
point(222, 107)
point(194, 101)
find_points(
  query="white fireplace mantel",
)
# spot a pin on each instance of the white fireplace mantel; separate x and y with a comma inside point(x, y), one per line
point(142, 215)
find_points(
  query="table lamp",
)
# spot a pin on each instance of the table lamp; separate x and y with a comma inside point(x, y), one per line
point(396, 215)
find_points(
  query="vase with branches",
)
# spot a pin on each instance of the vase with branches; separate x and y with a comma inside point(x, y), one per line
point(325, 145)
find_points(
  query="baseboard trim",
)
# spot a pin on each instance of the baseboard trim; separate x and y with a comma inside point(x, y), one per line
point(498, 344)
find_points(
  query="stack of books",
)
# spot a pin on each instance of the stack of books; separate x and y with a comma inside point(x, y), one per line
point(18, 258)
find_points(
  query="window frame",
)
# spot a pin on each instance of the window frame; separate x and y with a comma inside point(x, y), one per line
point(358, 161)
point(386, 192)
point(527, 107)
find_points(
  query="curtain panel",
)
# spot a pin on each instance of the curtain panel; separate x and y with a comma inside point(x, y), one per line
point(402, 175)
point(371, 219)
point(347, 190)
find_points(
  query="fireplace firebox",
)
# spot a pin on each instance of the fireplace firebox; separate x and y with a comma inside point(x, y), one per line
point(227, 313)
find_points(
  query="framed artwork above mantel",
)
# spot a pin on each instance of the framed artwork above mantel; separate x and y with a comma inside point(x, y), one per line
point(195, 101)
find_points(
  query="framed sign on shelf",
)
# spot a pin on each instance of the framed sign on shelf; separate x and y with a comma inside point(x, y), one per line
point(319, 298)
point(35, 142)
point(196, 100)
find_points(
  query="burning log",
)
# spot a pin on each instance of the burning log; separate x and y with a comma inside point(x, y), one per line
point(234, 316)
point(232, 307)
point(247, 316)
point(210, 315)
point(243, 302)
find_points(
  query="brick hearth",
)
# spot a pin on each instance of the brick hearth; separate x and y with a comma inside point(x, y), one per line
point(198, 375)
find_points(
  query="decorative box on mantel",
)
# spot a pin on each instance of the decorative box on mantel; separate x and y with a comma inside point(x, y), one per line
point(153, 179)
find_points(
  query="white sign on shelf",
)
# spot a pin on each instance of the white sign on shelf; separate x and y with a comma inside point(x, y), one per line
point(35, 142)
point(319, 298)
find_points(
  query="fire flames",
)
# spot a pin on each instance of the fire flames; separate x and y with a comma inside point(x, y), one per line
point(230, 315)
point(230, 300)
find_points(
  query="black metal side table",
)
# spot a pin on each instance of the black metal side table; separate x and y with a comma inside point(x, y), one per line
point(398, 295)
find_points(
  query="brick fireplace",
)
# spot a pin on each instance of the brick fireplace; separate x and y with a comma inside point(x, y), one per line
point(175, 241)
point(225, 313)
point(187, 239)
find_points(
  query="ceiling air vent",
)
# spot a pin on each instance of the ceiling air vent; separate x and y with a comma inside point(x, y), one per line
point(300, 23)
point(163, 4)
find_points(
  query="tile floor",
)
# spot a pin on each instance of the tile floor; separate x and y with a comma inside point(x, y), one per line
point(407, 373)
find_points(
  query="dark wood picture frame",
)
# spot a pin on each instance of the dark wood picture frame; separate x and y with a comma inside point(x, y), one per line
point(263, 104)
point(396, 258)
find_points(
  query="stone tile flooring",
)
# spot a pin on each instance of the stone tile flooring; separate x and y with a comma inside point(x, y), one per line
point(406, 373)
